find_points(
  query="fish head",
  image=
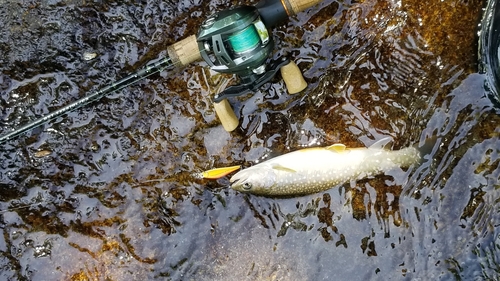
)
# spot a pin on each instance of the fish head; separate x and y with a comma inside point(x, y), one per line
point(257, 180)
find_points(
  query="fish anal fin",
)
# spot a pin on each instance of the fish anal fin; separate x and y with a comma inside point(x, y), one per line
point(337, 147)
point(283, 168)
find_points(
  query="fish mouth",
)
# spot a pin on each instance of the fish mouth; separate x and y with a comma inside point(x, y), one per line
point(234, 180)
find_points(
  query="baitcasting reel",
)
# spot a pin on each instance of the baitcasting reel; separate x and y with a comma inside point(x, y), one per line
point(236, 41)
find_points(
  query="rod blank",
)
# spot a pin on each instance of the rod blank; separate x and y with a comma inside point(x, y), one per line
point(116, 86)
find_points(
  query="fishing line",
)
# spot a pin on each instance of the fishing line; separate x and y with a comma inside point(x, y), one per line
point(39, 204)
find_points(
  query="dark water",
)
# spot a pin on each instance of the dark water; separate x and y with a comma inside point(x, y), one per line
point(108, 192)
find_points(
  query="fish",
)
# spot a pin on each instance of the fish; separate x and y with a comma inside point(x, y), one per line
point(312, 170)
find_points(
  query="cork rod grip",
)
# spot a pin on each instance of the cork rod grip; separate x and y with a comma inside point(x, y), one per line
point(294, 7)
point(184, 52)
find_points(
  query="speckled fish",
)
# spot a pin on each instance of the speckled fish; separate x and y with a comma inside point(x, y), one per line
point(314, 170)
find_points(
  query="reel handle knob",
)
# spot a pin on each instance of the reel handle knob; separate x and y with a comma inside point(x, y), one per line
point(294, 81)
point(226, 115)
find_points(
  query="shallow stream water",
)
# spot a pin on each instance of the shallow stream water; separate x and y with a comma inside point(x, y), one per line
point(109, 193)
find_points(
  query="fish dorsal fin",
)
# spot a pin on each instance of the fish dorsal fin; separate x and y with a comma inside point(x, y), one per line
point(283, 168)
point(337, 147)
point(384, 143)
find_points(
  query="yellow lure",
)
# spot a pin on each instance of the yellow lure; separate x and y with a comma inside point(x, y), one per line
point(218, 173)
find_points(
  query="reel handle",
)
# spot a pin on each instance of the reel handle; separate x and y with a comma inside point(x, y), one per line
point(294, 80)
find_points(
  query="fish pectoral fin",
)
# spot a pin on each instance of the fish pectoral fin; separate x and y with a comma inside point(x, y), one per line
point(384, 143)
point(283, 168)
point(337, 147)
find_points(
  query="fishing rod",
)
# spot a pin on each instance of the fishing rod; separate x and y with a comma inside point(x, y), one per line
point(233, 41)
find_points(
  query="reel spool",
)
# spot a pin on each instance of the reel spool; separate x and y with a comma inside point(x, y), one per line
point(236, 41)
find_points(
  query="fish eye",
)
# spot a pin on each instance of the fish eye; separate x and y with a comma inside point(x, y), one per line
point(247, 186)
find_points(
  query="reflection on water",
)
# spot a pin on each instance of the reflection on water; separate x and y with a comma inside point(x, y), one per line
point(108, 192)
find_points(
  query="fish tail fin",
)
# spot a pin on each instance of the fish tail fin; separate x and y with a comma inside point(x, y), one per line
point(426, 149)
